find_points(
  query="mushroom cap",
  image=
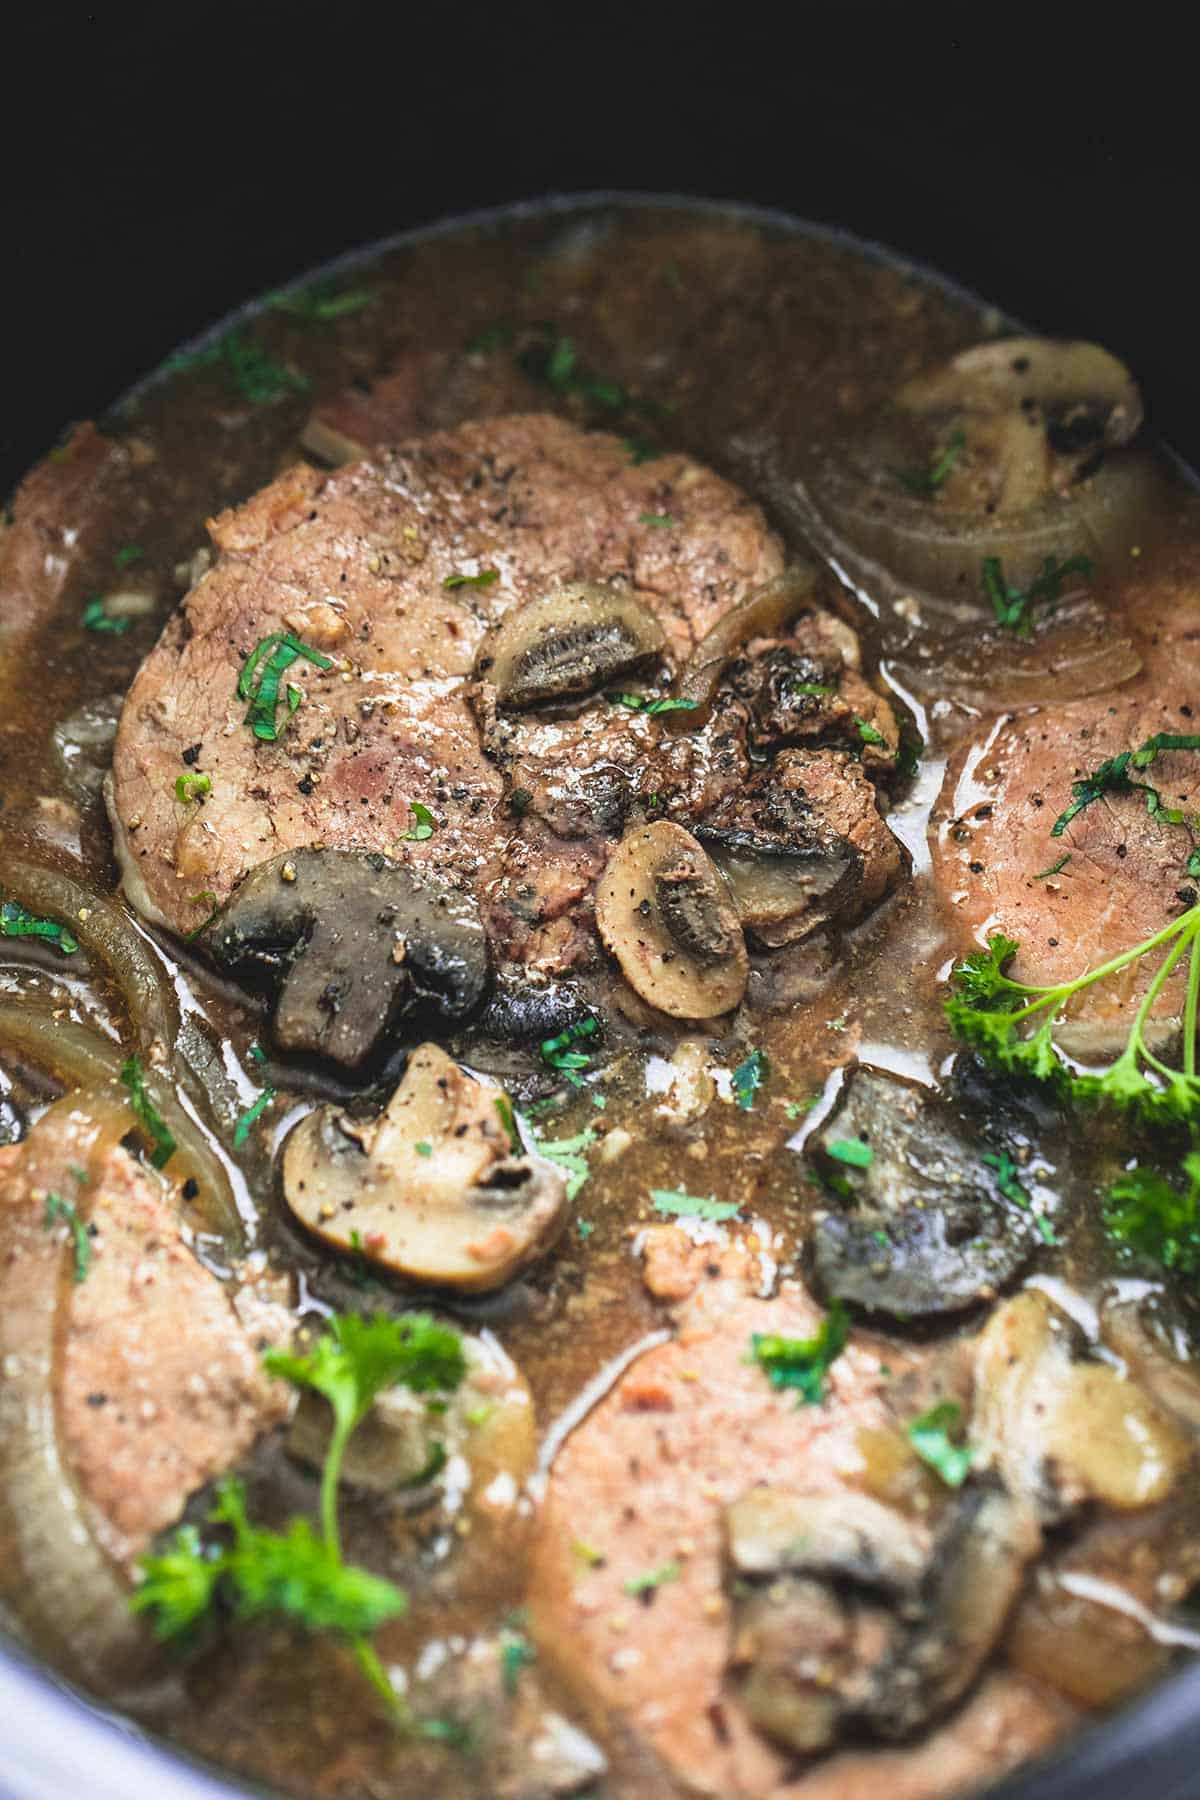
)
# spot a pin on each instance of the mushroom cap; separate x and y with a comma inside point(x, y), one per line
point(429, 1190)
point(356, 940)
point(664, 912)
point(568, 642)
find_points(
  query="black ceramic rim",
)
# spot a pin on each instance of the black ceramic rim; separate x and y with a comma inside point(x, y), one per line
point(54, 1739)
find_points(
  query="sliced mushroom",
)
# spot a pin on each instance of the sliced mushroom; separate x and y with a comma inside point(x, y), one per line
point(665, 913)
point(1082, 392)
point(916, 1225)
point(1061, 1430)
point(772, 1531)
point(569, 642)
point(355, 941)
point(797, 1657)
point(974, 1577)
point(763, 613)
point(431, 1189)
point(1156, 1352)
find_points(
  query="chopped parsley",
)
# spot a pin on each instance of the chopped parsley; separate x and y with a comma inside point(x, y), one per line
point(423, 823)
point(251, 1116)
point(1013, 606)
point(516, 1653)
point(17, 921)
point(297, 1573)
point(247, 367)
point(852, 1151)
point(146, 1113)
point(192, 787)
point(504, 1108)
point(988, 1010)
point(659, 521)
point(645, 704)
point(319, 303)
point(1054, 869)
point(935, 1436)
point(943, 465)
point(748, 1077)
point(1112, 776)
point(868, 733)
point(59, 1209)
point(677, 1204)
point(558, 1051)
point(569, 1155)
point(209, 899)
point(261, 673)
point(485, 578)
point(96, 617)
point(423, 1148)
point(127, 555)
point(642, 1587)
point(1144, 1214)
point(803, 1363)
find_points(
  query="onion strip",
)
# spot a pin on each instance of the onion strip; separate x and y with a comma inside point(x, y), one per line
point(52, 1566)
point(762, 614)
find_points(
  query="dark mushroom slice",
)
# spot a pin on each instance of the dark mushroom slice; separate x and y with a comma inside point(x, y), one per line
point(354, 941)
point(431, 1189)
point(572, 641)
point(975, 1574)
point(664, 912)
point(802, 843)
point(916, 1225)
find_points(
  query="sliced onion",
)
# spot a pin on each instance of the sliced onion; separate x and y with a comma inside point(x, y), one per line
point(69, 1593)
point(107, 934)
point(764, 613)
point(890, 542)
point(79, 1057)
point(1079, 651)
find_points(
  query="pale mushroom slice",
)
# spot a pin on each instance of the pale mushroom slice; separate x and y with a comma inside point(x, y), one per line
point(1082, 393)
point(567, 643)
point(431, 1189)
point(665, 913)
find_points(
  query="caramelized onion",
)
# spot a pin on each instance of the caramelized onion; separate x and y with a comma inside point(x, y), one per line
point(80, 1057)
point(1079, 651)
point(889, 541)
point(109, 936)
point(71, 1594)
point(764, 613)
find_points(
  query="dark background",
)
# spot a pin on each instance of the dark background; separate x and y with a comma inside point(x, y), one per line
point(164, 161)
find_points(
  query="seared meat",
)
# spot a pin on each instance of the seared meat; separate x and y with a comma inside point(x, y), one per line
point(1113, 876)
point(160, 1383)
point(356, 565)
point(642, 1487)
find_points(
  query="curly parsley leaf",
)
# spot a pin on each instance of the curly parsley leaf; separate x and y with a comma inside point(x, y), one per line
point(1147, 1215)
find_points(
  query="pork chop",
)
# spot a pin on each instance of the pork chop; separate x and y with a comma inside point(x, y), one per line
point(365, 566)
point(160, 1383)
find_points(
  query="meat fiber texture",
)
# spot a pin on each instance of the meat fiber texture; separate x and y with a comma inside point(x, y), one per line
point(356, 564)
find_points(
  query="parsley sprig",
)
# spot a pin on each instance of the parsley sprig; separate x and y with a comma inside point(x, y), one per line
point(1145, 1214)
point(990, 1011)
point(298, 1573)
